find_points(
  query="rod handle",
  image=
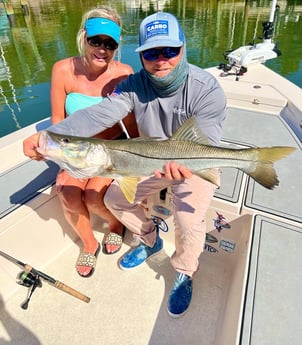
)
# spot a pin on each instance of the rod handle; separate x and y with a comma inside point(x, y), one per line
point(61, 286)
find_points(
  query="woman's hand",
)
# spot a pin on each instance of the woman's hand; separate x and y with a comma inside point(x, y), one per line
point(174, 171)
point(30, 146)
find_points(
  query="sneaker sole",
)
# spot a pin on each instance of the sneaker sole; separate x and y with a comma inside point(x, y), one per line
point(176, 316)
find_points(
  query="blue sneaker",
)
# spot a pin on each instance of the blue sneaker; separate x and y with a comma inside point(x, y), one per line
point(140, 254)
point(180, 295)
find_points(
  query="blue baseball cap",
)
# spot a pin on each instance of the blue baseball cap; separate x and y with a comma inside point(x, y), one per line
point(103, 26)
point(161, 29)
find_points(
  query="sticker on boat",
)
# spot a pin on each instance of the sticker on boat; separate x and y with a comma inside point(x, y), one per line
point(210, 249)
point(220, 222)
point(227, 245)
point(210, 238)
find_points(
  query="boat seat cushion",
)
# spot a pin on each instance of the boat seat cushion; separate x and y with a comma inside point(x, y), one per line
point(23, 182)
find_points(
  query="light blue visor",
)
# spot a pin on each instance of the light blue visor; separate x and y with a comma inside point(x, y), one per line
point(103, 26)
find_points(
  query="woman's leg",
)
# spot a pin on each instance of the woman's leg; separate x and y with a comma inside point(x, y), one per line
point(93, 198)
point(70, 192)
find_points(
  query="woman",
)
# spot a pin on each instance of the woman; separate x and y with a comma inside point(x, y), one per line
point(78, 82)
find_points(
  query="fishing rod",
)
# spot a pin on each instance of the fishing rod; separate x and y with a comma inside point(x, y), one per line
point(31, 278)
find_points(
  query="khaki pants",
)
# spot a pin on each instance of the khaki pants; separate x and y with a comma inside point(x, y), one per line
point(191, 199)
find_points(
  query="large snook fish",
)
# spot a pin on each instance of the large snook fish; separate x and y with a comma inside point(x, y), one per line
point(127, 160)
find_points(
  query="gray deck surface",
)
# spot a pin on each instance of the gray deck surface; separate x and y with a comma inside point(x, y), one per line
point(273, 303)
point(256, 129)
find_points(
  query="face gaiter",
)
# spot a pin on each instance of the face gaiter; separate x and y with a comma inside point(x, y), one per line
point(167, 85)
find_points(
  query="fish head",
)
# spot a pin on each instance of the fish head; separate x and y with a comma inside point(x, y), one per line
point(82, 157)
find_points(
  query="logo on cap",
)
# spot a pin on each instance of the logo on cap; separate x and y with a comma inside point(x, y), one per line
point(157, 27)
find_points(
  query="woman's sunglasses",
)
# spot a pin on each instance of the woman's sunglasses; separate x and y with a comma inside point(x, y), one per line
point(167, 52)
point(96, 41)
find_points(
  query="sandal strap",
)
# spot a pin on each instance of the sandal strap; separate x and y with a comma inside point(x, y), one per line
point(113, 239)
point(86, 259)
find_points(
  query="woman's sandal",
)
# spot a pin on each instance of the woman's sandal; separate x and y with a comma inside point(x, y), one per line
point(114, 239)
point(89, 260)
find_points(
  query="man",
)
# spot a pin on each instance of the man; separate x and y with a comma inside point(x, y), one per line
point(163, 95)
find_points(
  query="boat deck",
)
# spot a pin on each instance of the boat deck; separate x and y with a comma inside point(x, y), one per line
point(125, 307)
point(248, 287)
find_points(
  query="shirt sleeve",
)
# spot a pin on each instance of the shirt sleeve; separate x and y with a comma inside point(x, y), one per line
point(210, 110)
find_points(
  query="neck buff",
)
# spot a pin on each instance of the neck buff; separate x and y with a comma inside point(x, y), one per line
point(171, 82)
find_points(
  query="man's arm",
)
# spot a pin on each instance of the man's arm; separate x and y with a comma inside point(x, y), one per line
point(85, 122)
point(93, 120)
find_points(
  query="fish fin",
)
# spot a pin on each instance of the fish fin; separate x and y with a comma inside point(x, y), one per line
point(211, 175)
point(189, 131)
point(262, 170)
point(128, 187)
point(264, 174)
point(275, 153)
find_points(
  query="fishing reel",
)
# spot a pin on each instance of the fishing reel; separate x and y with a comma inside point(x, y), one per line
point(31, 280)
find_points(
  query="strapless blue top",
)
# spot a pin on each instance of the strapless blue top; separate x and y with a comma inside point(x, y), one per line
point(76, 101)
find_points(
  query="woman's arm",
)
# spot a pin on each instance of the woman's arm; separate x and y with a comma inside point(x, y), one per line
point(58, 90)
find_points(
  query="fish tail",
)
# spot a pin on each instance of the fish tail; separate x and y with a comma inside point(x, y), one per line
point(262, 169)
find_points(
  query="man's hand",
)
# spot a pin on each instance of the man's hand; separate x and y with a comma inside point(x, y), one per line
point(30, 147)
point(174, 171)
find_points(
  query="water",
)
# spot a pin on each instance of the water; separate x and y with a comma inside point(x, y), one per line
point(30, 44)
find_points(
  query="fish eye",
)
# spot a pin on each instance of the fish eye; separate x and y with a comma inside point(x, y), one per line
point(65, 140)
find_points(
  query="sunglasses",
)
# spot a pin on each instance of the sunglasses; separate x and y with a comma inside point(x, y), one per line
point(96, 41)
point(167, 52)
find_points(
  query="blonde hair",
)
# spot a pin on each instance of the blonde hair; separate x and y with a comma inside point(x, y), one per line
point(101, 11)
